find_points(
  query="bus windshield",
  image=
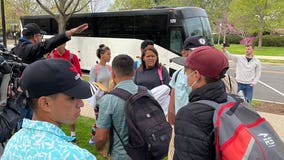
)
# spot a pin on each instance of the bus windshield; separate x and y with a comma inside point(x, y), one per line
point(198, 26)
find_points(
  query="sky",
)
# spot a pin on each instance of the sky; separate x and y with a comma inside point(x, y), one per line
point(101, 5)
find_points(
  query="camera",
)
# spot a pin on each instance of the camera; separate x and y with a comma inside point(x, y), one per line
point(11, 69)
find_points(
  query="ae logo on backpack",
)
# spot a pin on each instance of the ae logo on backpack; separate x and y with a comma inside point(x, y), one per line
point(242, 134)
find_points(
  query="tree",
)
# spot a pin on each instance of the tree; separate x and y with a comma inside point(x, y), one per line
point(132, 4)
point(64, 9)
point(256, 16)
point(100, 5)
point(217, 10)
point(13, 12)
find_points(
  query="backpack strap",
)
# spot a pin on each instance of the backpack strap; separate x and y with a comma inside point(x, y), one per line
point(98, 68)
point(124, 94)
point(160, 73)
point(121, 93)
point(51, 55)
point(109, 67)
point(117, 132)
point(71, 58)
point(177, 75)
point(216, 106)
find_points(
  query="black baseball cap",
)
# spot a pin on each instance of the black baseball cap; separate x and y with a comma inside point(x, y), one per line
point(190, 43)
point(51, 76)
point(32, 29)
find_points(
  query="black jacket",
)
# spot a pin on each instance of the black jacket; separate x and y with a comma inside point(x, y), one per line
point(31, 52)
point(9, 117)
point(194, 134)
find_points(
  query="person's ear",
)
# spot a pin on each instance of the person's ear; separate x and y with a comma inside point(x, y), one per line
point(44, 103)
point(197, 75)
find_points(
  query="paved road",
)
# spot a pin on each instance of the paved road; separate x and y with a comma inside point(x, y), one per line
point(271, 85)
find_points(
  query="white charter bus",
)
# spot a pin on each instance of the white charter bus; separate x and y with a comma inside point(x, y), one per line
point(123, 32)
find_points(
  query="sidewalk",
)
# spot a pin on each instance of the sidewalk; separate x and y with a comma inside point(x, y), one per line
point(270, 57)
point(275, 120)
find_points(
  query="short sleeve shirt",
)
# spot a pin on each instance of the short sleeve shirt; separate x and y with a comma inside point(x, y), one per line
point(112, 113)
point(39, 140)
point(182, 90)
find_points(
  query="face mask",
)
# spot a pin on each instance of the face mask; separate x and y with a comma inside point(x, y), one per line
point(187, 88)
point(193, 83)
point(191, 86)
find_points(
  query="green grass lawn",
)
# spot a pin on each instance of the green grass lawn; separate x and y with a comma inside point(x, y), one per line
point(83, 133)
point(264, 51)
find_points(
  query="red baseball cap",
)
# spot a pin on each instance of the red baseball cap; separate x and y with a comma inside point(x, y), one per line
point(209, 61)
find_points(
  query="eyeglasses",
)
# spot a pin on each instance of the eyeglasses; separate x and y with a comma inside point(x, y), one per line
point(40, 35)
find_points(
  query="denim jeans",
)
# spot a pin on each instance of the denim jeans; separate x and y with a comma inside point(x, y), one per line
point(247, 90)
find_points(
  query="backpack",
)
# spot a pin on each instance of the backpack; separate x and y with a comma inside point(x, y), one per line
point(231, 85)
point(241, 133)
point(98, 68)
point(177, 75)
point(148, 130)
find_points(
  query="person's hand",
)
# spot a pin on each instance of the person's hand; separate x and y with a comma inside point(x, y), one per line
point(76, 30)
point(223, 47)
point(251, 84)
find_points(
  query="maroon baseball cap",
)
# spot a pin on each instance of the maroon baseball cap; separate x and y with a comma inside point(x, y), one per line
point(209, 61)
point(51, 76)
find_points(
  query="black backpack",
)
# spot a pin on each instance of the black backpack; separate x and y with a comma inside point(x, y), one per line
point(148, 130)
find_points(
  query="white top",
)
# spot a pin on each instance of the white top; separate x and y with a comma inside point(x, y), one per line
point(246, 72)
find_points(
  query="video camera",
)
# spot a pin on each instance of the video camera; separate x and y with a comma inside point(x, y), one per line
point(11, 69)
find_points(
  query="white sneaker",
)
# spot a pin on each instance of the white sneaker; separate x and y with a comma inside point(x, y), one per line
point(91, 142)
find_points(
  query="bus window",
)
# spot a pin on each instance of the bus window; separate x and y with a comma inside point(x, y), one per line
point(123, 31)
point(176, 41)
point(198, 26)
point(207, 30)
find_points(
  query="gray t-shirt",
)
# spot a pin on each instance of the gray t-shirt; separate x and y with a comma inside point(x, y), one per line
point(102, 75)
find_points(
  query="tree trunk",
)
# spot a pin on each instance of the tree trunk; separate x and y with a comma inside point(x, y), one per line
point(225, 25)
point(260, 34)
point(61, 24)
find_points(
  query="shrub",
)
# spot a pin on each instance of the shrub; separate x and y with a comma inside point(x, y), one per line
point(234, 39)
point(271, 41)
point(247, 40)
point(230, 38)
